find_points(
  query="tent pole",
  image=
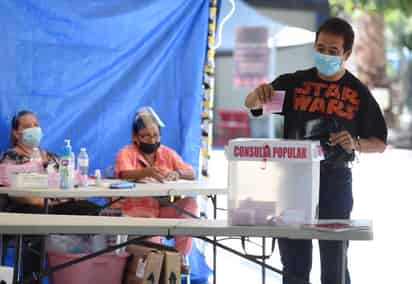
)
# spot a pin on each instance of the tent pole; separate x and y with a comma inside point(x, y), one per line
point(208, 90)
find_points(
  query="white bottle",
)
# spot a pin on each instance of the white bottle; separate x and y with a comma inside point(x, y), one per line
point(83, 167)
point(73, 162)
point(35, 158)
point(98, 176)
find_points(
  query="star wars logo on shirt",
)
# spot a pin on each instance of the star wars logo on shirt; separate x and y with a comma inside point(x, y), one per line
point(332, 99)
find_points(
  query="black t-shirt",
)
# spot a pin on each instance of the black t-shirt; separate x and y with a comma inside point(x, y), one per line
point(346, 101)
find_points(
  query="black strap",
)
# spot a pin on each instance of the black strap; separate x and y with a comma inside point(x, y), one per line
point(243, 241)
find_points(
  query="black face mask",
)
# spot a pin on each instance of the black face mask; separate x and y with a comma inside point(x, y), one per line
point(149, 148)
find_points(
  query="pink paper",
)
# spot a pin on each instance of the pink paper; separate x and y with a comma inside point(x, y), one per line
point(8, 168)
point(275, 104)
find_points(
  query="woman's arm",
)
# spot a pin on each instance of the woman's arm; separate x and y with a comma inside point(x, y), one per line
point(139, 174)
point(187, 174)
point(36, 201)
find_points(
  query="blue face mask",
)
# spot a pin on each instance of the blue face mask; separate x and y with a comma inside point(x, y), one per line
point(32, 136)
point(327, 65)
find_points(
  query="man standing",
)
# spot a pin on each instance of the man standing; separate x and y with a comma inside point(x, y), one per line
point(328, 103)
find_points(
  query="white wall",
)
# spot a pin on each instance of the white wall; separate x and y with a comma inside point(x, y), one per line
point(227, 96)
point(287, 60)
point(230, 97)
point(290, 59)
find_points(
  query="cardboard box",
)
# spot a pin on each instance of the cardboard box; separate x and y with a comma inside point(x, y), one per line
point(130, 278)
point(144, 265)
point(172, 262)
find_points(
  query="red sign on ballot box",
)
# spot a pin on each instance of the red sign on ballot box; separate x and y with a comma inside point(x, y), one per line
point(274, 149)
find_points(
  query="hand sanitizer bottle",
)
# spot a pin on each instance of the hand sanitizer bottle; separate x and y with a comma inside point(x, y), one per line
point(66, 167)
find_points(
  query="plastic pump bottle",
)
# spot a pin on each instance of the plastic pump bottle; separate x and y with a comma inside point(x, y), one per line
point(67, 167)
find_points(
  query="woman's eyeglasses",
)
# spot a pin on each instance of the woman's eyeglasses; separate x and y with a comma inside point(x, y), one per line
point(149, 137)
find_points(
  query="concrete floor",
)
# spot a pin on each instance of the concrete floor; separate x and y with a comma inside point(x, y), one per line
point(382, 192)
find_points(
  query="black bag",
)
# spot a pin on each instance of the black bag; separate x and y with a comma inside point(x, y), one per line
point(320, 129)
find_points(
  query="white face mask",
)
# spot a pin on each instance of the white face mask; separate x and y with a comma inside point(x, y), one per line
point(32, 136)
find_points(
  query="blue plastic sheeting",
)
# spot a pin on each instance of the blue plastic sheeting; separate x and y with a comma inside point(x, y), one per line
point(85, 67)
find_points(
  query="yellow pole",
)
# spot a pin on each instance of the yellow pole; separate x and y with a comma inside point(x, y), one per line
point(208, 90)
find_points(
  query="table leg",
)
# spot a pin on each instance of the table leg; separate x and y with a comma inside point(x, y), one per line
point(1, 248)
point(342, 264)
point(263, 260)
point(43, 240)
point(214, 201)
point(17, 258)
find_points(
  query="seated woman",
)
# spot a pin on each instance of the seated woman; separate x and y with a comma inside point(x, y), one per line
point(25, 135)
point(147, 160)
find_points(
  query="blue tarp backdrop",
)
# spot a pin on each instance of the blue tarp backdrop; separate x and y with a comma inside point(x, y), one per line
point(85, 67)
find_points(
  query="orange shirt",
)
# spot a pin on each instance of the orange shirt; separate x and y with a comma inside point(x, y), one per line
point(130, 158)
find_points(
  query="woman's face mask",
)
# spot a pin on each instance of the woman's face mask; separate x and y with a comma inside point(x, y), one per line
point(32, 136)
point(149, 148)
point(149, 139)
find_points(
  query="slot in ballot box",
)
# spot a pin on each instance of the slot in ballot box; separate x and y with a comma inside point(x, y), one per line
point(273, 181)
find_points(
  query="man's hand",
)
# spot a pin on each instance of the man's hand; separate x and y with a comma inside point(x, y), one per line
point(344, 139)
point(259, 96)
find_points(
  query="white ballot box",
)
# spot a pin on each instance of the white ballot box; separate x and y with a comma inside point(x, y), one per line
point(273, 181)
point(6, 275)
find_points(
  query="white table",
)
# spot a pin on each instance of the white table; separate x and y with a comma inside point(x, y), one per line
point(176, 188)
point(202, 227)
point(361, 230)
point(43, 224)
point(198, 228)
point(202, 187)
point(20, 224)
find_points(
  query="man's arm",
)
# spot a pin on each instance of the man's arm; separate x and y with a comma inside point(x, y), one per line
point(361, 145)
point(259, 96)
point(370, 145)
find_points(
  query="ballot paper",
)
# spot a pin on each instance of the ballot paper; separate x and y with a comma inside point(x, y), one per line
point(339, 225)
point(275, 105)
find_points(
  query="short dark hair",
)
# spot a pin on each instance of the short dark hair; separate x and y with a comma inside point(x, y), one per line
point(15, 123)
point(339, 27)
